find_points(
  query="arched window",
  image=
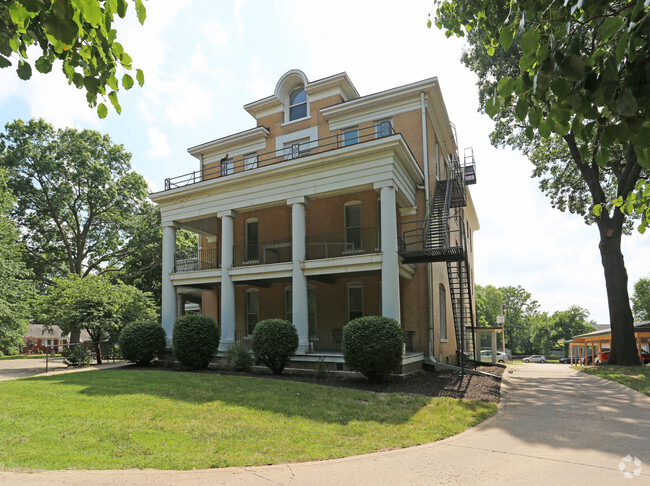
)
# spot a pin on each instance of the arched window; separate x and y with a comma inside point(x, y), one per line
point(297, 104)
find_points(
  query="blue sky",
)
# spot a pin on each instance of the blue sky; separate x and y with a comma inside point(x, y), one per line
point(204, 59)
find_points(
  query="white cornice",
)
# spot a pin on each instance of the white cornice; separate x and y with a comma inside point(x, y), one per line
point(252, 136)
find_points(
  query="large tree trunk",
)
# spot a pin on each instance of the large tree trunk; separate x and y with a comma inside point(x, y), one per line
point(75, 336)
point(623, 348)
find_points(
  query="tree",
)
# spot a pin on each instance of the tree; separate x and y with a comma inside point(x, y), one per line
point(568, 83)
point(547, 332)
point(488, 305)
point(78, 204)
point(641, 299)
point(519, 311)
point(15, 288)
point(95, 304)
point(80, 34)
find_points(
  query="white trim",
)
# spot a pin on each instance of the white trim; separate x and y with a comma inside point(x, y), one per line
point(310, 133)
point(238, 141)
point(381, 113)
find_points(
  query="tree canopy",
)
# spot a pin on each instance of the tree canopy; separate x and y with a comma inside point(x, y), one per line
point(641, 299)
point(79, 206)
point(568, 84)
point(95, 304)
point(79, 34)
point(15, 287)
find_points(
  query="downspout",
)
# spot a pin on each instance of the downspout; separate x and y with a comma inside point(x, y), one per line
point(425, 160)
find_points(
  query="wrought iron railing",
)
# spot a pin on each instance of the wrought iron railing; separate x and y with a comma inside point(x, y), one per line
point(262, 253)
point(243, 163)
point(353, 241)
point(193, 261)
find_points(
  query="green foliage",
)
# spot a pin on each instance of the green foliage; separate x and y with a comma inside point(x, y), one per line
point(488, 305)
point(373, 345)
point(141, 341)
point(238, 357)
point(274, 343)
point(641, 299)
point(567, 83)
point(77, 355)
point(320, 370)
point(80, 34)
point(15, 289)
point(195, 339)
point(77, 202)
point(95, 304)
point(546, 332)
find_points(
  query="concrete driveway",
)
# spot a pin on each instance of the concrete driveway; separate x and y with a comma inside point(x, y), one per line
point(554, 426)
point(10, 369)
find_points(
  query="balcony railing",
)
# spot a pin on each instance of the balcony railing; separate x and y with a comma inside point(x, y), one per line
point(193, 261)
point(262, 253)
point(244, 163)
point(353, 241)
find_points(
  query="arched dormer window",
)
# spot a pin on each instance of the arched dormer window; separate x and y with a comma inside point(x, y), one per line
point(297, 104)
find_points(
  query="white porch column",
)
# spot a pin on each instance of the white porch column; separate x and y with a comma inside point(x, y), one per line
point(300, 310)
point(227, 287)
point(169, 308)
point(390, 303)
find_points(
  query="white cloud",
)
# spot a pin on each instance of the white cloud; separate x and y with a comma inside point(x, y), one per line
point(199, 61)
point(159, 147)
point(214, 33)
point(237, 8)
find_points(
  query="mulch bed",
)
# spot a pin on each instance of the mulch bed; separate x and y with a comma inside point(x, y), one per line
point(443, 383)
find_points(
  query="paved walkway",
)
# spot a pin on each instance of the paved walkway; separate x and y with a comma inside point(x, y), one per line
point(554, 426)
point(10, 369)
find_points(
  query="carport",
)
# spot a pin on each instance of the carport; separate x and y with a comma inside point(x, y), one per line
point(580, 344)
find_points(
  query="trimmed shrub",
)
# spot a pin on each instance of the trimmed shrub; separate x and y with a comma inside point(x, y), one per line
point(238, 357)
point(141, 341)
point(373, 346)
point(274, 343)
point(195, 339)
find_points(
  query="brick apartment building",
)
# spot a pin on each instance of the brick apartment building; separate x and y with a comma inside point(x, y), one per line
point(333, 206)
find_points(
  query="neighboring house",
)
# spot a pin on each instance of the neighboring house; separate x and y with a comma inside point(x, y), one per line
point(40, 336)
point(334, 206)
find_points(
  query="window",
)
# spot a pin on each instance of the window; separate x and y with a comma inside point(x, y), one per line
point(352, 217)
point(442, 304)
point(297, 148)
point(350, 136)
point(297, 104)
point(355, 301)
point(383, 129)
point(226, 166)
point(311, 308)
point(250, 161)
point(252, 310)
point(252, 242)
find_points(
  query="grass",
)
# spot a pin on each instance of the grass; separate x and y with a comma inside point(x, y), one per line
point(164, 420)
point(635, 377)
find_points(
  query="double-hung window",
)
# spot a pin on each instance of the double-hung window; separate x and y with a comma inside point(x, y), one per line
point(297, 104)
point(250, 161)
point(226, 167)
point(350, 136)
point(383, 129)
point(252, 310)
point(355, 301)
point(352, 226)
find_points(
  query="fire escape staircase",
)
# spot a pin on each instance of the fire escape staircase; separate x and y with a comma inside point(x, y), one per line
point(442, 238)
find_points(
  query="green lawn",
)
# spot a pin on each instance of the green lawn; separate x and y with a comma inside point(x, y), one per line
point(635, 377)
point(165, 420)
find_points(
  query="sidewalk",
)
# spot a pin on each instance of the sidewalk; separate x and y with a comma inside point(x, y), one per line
point(11, 369)
point(554, 425)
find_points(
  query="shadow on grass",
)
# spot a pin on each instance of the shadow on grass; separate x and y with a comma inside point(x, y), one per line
point(311, 401)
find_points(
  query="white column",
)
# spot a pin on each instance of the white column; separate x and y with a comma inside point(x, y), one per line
point(227, 287)
point(300, 310)
point(169, 308)
point(390, 303)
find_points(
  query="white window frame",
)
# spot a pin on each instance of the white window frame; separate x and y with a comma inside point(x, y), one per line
point(289, 105)
point(349, 287)
point(247, 258)
point(354, 248)
point(350, 136)
point(380, 131)
point(297, 148)
point(442, 303)
point(251, 161)
point(247, 312)
point(228, 165)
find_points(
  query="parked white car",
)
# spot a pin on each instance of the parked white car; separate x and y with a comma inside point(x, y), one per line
point(535, 358)
point(486, 356)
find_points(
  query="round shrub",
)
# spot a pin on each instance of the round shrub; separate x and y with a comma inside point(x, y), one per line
point(141, 341)
point(373, 346)
point(195, 340)
point(274, 343)
point(238, 357)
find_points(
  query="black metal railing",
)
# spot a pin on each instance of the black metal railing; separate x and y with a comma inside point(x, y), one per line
point(244, 163)
point(193, 261)
point(262, 253)
point(81, 354)
point(353, 241)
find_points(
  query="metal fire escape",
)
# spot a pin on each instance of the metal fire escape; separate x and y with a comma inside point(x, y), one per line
point(442, 238)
